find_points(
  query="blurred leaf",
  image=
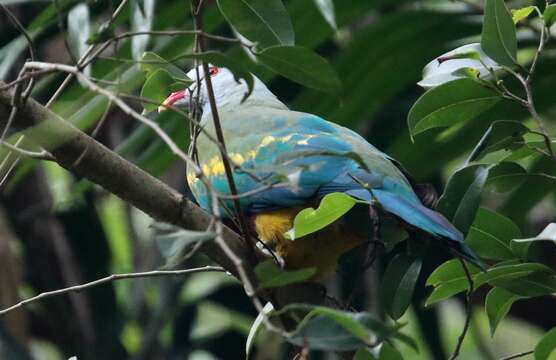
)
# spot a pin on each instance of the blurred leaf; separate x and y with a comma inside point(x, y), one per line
point(173, 242)
point(501, 134)
point(326, 8)
point(549, 15)
point(156, 89)
point(398, 283)
point(271, 276)
point(497, 305)
point(324, 328)
point(546, 346)
point(506, 176)
point(256, 327)
point(141, 20)
point(265, 22)
point(364, 354)
point(455, 281)
point(151, 62)
point(445, 68)
point(301, 65)
point(331, 208)
point(498, 38)
point(213, 319)
point(462, 196)
point(222, 60)
point(522, 13)
point(449, 104)
point(79, 30)
point(103, 34)
point(490, 235)
point(199, 286)
point(388, 352)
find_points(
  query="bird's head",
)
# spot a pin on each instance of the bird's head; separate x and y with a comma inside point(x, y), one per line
point(227, 91)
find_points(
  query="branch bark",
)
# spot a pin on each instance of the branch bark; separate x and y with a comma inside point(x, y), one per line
point(81, 154)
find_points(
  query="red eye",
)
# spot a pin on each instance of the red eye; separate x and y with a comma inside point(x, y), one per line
point(213, 71)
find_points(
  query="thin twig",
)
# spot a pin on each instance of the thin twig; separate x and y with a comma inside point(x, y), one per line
point(107, 279)
point(468, 311)
point(518, 355)
point(40, 155)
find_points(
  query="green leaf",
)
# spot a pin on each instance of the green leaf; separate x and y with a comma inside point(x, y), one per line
point(256, 327)
point(331, 208)
point(449, 104)
point(104, 33)
point(497, 305)
point(326, 8)
point(521, 246)
point(456, 281)
point(448, 271)
point(79, 30)
point(462, 196)
point(151, 62)
point(549, 15)
point(546, 346)
point(490, 235)
point(498, 38)
point(324, 328)
point(538, 283)
point(388, 352)
point(173, 242)
point(222, 60)
point(271, 276)
point(156, 89)
point(520, 14)
point(265, 22)
point(502, 134)
point(301, 65)
point(142, 15)
point(399, 282)
point(506, 176)
point(364, 354)
point(447, 67)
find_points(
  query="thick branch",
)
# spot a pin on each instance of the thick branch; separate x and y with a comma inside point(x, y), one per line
point(79, 153)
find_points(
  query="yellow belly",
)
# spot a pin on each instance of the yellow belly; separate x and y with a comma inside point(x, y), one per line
point(320, 249)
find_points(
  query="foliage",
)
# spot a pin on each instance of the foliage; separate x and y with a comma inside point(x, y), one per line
point(482, 131)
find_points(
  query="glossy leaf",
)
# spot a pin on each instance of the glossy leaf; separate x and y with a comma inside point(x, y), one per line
point(271, 276)
point(301, 65)
point(546, 346)
point(456, 281)
point(461, 198)
point(151, 62)
point(497, 305)
point(364, 354)
point(506, 176)
point(222, 60)
point(449, 104)
point(502, 134)
point(398, 283)
point(490, 235)
point(331, 208)
point(265, 22)
point(539, 283)
point(498, 38)
point(522, 13)
point(326, 8)
point(256, 327)
point(549, 15)
point(445, 68)
point(156, 89)
point(521, 246)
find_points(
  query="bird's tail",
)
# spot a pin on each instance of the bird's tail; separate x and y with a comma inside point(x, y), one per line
point(428, 220)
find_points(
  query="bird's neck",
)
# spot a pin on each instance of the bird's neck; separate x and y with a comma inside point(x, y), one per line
point(232, 99)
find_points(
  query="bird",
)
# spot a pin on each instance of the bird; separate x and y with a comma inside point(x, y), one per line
point(267, 143)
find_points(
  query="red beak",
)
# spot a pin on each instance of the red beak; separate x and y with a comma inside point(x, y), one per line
point(172, 99)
